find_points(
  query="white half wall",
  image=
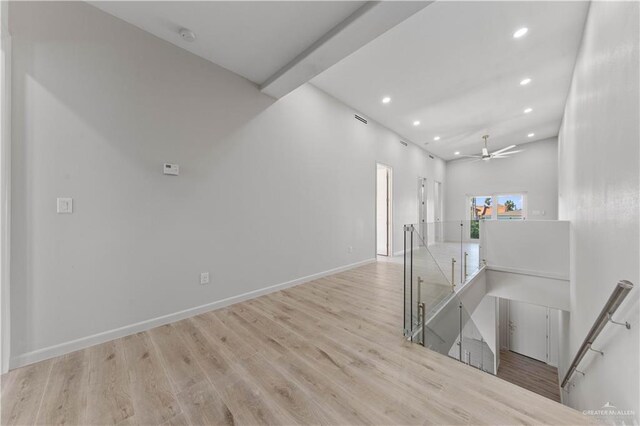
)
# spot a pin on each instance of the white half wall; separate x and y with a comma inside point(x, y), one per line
point(533, 171)
point(599, 193)
point(269, 193)
point(530, 247)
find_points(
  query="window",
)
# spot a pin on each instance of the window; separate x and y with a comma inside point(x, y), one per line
point(480, 209)
point(510, 207)
point(494, 207)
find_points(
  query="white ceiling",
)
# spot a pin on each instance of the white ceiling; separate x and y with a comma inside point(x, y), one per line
point(456, 68)
point(254, 39)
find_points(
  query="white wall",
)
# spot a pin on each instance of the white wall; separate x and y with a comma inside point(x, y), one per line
point(268, 192)
point(532, 171)
point(485, 318)
point(550, 292)
point(599, 193)
point(528, 247)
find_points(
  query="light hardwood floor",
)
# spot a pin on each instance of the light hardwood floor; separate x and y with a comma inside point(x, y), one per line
point(327, 352)
point(530, 374)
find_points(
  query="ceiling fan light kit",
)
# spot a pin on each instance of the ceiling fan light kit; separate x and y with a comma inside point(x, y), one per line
point(486, 156)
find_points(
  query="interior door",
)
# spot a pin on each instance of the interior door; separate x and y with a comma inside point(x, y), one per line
point(422, 208)
point(528, 330)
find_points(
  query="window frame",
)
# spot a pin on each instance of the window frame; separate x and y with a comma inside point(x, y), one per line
point(494, 202)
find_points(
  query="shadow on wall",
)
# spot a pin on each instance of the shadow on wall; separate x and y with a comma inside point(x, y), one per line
point(268, 192)
point(134, 98)
point(99, 106)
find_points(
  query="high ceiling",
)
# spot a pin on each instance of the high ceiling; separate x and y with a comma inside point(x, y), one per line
point(251, 38)
point(456, 68)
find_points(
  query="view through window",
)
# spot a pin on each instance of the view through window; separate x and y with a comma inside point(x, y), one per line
point(497, 207)
point(480, 209)
point(510, 207)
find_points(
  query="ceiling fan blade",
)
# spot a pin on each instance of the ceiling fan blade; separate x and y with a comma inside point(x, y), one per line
point(503, 149)
point(506, 153)
point(470, 156)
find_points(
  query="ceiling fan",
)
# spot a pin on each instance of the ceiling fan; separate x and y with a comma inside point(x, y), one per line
point(486, 156)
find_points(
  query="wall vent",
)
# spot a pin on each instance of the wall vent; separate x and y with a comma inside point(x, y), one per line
point(431, 156)
point(361, 119)
point(404, 143)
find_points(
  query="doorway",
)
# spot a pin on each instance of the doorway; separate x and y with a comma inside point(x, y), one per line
point(383, 210)
point(437, 204)
point(528, 331)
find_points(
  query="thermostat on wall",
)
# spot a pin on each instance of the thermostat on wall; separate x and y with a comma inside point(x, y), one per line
point(171, 169)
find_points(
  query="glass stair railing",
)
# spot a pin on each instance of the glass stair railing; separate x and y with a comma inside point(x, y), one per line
point(451, 331)
point(439, 259)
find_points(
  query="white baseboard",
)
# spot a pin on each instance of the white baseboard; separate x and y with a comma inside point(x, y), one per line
point(105, 336)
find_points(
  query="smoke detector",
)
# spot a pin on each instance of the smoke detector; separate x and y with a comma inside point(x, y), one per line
point(187, 35)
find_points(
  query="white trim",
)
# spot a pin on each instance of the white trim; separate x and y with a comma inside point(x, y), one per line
point(527, 272)
point(494, 202)
point(105, 336)
point(5, 190)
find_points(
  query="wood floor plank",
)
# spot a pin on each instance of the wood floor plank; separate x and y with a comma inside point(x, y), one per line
point(203, 406)
point(154, 401)
point(176, 357)
point(249, 404)
point(108, 392)
point(293, 404)
point(530, 374)
point(216, 366)
point(327, 352)
point(22, 392)
point(65, 398)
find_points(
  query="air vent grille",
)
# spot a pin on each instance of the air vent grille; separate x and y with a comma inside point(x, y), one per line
point(431, 156)
point(404, 143)
point(361, 119)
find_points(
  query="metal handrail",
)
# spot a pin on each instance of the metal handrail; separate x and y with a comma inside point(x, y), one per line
point(618, 295)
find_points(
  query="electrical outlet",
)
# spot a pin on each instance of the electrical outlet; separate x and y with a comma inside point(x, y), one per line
point(349, 249)
point(64, 205)
point(204, 278)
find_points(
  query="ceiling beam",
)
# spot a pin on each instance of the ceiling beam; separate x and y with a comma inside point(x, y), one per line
point(362, 26)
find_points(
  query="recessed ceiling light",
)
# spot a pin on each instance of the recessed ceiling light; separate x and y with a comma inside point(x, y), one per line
point(456, 153)
point(416, 123)
point(386, 100)
point(525, 82)
point(530, 135)
point(437, 138)
point(187, 34)
point(528, 110)
point(520, 32)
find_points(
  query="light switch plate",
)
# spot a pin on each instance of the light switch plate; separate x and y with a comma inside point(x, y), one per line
point(171, 169)
point(204, 278)
point(65, 205)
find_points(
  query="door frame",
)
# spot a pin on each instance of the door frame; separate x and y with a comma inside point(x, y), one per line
point(5, 188)
point(437, 211)
point(389, 208)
